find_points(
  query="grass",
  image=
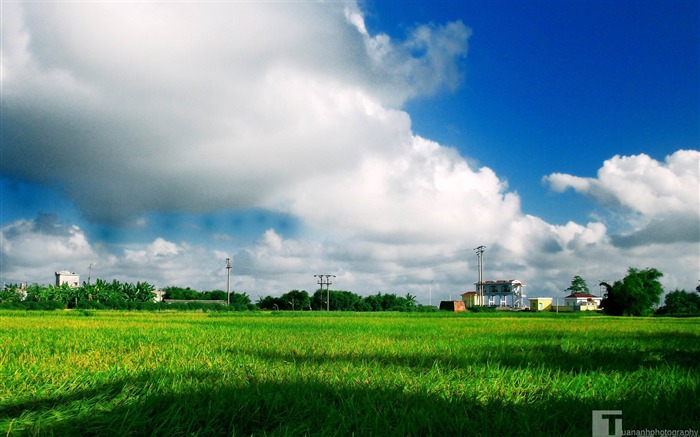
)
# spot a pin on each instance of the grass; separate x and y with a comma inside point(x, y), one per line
point(138, 373)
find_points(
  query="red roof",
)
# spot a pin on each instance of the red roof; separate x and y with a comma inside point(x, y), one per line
point(581, 295)
point(468, 293)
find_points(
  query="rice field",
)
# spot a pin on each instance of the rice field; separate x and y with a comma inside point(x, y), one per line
point(191, 373)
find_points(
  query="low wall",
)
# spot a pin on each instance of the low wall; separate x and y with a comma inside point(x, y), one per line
point(218, 302)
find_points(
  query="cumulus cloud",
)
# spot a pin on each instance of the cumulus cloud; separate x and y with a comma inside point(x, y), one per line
point(406, 74)
point(641, 184)
point(424, 193)
point(203, 107)
point(663, 196)
point(36, 248)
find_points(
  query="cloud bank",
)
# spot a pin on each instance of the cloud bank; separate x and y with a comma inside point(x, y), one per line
point(203, 107)
point(293, 108)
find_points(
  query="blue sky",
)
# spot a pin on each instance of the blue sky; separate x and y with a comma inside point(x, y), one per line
point(561, 86)
point(379, 141)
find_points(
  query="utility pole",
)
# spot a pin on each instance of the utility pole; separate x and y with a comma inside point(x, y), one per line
point(431, 293)
point(326, 280)
point(480, 283)
point(228, 281)
point(89, 272)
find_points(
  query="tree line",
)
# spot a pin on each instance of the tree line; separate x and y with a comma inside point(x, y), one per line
point(105, 294)
point(300, 300)
point(119, 295)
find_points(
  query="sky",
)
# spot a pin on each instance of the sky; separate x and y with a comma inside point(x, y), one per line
point(378, 141)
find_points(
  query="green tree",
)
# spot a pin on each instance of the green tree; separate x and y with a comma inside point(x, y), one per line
point(681, 302)
point(578, 285)
point(214, 295)
point(241, 302)
point(373, 302)
point(298, 300)
point(143, 292)
point(339, 300)
point(635, 295)
point(11, 293)
point(271, 303)
point(180, 293)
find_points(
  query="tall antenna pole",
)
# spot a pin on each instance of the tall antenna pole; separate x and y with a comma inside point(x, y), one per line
point(480, 283)
point(431, 293)
point(228, 281)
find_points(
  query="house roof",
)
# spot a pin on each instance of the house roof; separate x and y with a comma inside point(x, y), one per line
point(468, 293)
point(502, 281)
point(579, 295)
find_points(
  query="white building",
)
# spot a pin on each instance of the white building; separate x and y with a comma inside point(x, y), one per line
point(158, 295)
point(584, 301)
point(496, 293)
point(66, 277)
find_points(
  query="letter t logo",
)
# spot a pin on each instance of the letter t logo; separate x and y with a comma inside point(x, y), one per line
point(601, 423)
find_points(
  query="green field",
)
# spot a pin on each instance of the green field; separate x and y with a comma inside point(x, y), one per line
point(176, 373)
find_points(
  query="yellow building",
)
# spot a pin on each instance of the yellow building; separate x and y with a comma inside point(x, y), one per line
point(470, 299)
point(541, 304)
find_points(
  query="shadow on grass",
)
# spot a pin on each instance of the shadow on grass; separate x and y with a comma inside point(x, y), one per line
point(314, 408)
point(625, 353)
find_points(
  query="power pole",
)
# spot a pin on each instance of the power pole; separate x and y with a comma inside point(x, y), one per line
point(228, 281)
point(320, 282)
point(325, 280)
point(480, 282)
point(430, 302)
point(89, 272)
point(328, 291)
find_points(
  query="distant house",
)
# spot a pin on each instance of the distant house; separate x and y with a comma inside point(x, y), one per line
point(540, 304)
point(582, 301)
point(158, 295)
point(471, 299)
point(66, 277)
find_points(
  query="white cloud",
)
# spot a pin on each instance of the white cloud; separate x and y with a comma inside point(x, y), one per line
point(202, 107)
point(661, 199)
point(33, 249)
point(37, 248)
point(641, 184)
point(424, 192)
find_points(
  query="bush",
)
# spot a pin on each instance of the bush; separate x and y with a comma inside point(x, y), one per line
point(46, 306)
point(90, 305)
point(480, 309)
